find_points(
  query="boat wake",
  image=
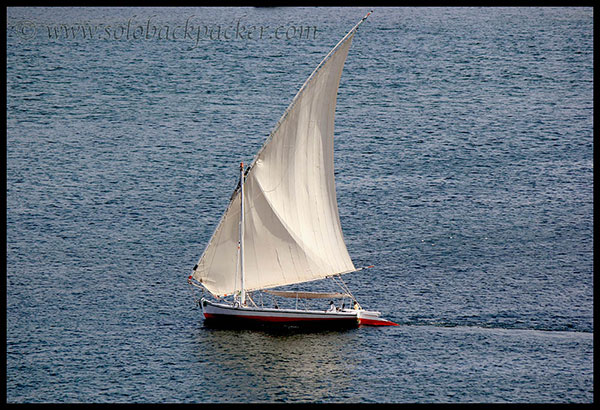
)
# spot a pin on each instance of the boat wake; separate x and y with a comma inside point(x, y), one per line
point(500, 325)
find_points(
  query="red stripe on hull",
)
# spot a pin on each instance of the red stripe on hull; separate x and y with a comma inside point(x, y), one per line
point(376, 322)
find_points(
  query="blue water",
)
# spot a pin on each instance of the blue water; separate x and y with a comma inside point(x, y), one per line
point(464, 172)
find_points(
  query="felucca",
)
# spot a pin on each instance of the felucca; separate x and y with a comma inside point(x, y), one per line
point(282, 225)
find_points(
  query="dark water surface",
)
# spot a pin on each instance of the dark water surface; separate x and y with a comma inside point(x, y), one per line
point(464, 161)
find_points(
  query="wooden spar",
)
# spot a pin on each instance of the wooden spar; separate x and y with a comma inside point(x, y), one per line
point(307, 295)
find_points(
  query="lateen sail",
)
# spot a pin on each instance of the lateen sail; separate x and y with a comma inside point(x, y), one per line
point(292, 227)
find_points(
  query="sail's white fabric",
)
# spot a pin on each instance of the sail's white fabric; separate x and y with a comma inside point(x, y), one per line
point(292, 227)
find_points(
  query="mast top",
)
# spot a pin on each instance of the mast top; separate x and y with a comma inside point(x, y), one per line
point(364, 18)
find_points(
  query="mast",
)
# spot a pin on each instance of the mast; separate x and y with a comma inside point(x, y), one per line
point(243, 292)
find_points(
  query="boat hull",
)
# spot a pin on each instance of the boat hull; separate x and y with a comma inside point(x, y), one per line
point(223, 315)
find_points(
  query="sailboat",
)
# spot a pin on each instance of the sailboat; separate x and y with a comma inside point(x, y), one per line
point(281, 226)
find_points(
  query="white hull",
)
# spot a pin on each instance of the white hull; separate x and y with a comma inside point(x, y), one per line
point(221, 314)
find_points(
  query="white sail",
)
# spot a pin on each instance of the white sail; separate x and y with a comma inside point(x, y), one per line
point(292, 231)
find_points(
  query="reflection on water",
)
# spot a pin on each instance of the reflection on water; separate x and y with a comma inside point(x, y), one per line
point(278, 365)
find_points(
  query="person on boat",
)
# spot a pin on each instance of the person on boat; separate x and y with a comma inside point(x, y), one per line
point(356, 305)
point(331, 307)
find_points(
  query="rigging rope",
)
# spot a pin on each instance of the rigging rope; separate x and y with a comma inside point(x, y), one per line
point(344, 287)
